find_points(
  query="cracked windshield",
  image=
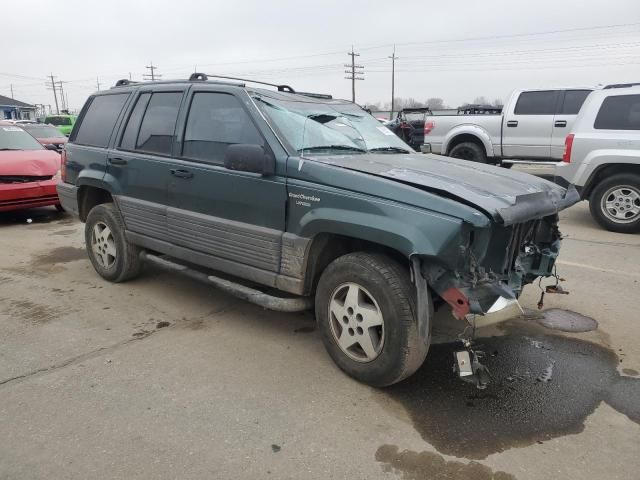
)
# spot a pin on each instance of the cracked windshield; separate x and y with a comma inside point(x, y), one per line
point(329, 127)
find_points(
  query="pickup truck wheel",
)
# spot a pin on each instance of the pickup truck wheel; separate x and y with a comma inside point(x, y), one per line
point(469, 151)
point(112, 256)
point(615, 203)
point(365, 308)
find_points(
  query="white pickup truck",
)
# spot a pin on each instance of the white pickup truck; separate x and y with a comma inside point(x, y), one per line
point(531, 128)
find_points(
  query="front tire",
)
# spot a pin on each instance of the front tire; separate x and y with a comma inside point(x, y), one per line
point(615, 203)
point(366, 313)
point(112, 256)
point(469, 151)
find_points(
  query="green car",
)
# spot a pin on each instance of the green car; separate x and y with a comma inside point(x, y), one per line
point(64, 123)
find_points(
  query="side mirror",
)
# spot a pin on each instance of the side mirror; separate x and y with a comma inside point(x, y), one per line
point(51, 146)
point(249, 158)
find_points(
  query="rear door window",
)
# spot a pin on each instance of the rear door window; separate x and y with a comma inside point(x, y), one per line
point(620, 112)
point(130, 135)
point(573, 100)
point(159, 123)
point(99, 120)
point(215, 121)
point(537, 103)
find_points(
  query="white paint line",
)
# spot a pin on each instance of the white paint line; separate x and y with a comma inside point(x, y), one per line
point(598, 269)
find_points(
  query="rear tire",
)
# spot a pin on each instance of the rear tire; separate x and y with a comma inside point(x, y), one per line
point(615, 203)
point(60, 208)
point(112, 256)
point(469, 151)
point(376, 354)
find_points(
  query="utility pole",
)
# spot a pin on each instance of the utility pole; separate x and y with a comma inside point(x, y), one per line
point(153, 76)
point(393, 81)
point(98, 83)
point(62, 99)
point(11, 86)
point(354, 71)
point(55, 95)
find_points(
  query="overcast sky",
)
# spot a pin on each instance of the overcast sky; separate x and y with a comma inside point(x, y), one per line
point(456, 50)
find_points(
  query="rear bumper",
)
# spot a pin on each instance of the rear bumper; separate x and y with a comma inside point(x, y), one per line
point(19, 196)
point(68, 194)
point(435, 148)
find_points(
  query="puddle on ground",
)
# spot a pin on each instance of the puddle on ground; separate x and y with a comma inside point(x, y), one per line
point(567, 321)
point(60, 255)
point(428, 465)
point(543, 386)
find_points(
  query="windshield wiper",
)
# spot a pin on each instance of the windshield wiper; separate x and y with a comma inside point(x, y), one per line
point(332, 147)
point(389, 149)
point(4, 149)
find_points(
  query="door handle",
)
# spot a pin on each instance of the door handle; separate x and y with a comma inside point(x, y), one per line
point(117, 161)
point(512, 123)
point(181, 173)
point(560, 123)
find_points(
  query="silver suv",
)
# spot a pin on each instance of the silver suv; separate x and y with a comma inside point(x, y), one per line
point(602, 157)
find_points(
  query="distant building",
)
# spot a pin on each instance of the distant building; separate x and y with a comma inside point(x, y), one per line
point(11, 109)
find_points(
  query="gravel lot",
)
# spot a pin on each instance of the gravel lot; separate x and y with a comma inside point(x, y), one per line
point(165, 378)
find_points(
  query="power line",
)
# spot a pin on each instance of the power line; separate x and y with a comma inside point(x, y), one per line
point(354, 72)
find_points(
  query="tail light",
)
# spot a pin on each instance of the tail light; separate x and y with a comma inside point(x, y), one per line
point(428, 126)
point(568, 145)
point(63, 165)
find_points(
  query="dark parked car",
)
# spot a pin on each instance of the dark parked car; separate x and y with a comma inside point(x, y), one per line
point(409, 126)
point(310, 196)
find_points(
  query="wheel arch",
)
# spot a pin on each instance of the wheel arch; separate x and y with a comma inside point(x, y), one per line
point(605, 171)
point(468, 134)
point(91, 194)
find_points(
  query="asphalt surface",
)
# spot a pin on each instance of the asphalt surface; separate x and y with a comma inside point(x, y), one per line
point(163, 377)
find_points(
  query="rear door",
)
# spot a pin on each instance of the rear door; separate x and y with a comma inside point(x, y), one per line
point(236, 219)
point(526, 131)
point(140, 165)
point(568, 107)
point(87, 147)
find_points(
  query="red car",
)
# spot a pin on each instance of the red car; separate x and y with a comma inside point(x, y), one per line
point(28, 171)
point(47, 135)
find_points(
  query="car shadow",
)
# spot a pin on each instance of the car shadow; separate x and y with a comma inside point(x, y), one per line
point(34, 216)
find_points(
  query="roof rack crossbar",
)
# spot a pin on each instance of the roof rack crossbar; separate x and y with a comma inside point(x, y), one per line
point(281, 88)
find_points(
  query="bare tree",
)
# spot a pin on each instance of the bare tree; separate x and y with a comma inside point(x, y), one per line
point(498, 102)
point(435, 103)
point(480, 101)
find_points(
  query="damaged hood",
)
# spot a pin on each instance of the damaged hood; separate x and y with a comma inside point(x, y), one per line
point(29, 162)
point(508, 197)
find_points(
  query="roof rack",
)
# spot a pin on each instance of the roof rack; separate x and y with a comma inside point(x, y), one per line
point(124, 82)
point(203, 77)
point(621, 85)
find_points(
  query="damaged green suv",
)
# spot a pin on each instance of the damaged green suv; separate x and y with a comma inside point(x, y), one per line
point(309, 196)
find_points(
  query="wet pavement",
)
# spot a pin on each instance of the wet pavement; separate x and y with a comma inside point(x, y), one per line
point(542, 387)
point(163, 377)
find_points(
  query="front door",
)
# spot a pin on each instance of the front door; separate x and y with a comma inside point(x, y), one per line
point(236, 219)
point(526, 132)
point(141, 162)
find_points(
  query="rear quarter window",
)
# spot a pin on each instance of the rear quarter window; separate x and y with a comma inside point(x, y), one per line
point(537, 103)
point(620, 112)
point(99, 120)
